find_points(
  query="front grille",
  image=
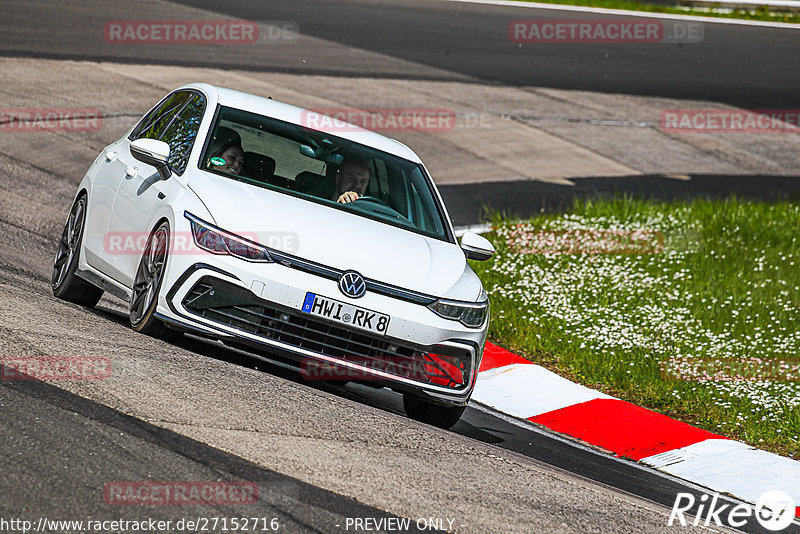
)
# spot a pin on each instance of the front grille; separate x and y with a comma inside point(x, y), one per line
point(225, 303)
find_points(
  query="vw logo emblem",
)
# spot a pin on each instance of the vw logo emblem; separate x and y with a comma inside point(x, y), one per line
point(352, 284)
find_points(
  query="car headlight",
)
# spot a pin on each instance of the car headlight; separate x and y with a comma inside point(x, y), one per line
point(217, 241)
point(470, 314)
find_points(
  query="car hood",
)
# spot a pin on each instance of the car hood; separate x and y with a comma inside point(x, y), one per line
point(337, 238)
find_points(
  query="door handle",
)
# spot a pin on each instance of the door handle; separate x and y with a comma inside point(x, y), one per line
point(131, 171)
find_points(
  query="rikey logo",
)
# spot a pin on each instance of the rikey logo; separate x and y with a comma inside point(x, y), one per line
point(774, 511)
point(352, 284)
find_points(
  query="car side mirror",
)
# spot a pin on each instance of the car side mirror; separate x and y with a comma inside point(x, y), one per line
point(476, 247)
point(152, 152)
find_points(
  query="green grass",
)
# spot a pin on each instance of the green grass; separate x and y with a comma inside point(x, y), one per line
point(762, 13)
point(719, 282)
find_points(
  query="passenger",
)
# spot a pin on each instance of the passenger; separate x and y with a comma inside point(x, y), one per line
point(352, 179)
point(230, 159)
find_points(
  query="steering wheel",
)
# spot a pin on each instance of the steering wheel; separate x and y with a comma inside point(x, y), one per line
point(375, 199)
point(385, 204)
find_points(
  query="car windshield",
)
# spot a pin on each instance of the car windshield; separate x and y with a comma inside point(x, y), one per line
point(320, 167)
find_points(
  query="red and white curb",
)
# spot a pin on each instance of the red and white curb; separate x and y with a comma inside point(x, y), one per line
point(516, 387)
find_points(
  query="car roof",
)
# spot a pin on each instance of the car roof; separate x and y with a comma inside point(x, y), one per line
point(297, 115)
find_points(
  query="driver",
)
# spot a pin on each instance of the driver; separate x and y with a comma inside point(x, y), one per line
point(352, 179)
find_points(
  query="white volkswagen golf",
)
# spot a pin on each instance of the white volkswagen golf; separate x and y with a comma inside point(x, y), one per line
point(223, 214)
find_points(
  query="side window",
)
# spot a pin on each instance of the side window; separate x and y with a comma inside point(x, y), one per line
point(146, 120)
point(182, 132)
point(154, 124)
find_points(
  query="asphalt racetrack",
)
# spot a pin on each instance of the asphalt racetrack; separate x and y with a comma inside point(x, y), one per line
point(328, 457)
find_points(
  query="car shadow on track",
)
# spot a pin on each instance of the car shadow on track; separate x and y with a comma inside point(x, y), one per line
point(376, 397)
point(270, 363)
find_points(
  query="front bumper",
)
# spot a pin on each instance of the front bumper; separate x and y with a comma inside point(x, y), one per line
point(421, 353)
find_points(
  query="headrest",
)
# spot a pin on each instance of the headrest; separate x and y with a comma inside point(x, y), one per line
point(315, 184)
point(224, 138)
point(258, 166)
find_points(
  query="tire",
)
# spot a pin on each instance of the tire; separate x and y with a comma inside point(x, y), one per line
point(147, 287)
point(65, 283)
point(431, 414)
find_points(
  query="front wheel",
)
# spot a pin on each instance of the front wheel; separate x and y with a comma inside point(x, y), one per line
point(432, 414)
point(147, 285)
point(64, 282)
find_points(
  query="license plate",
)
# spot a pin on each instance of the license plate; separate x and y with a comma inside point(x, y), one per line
point(344, 313)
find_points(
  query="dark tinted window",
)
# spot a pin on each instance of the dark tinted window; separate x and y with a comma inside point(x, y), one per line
point(157, 121)
point(182, 132)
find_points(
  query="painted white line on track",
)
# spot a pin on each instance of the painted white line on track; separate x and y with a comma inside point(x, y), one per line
point(531, 427)
point(525, 390)
point(625, 13)
point(732, 467)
